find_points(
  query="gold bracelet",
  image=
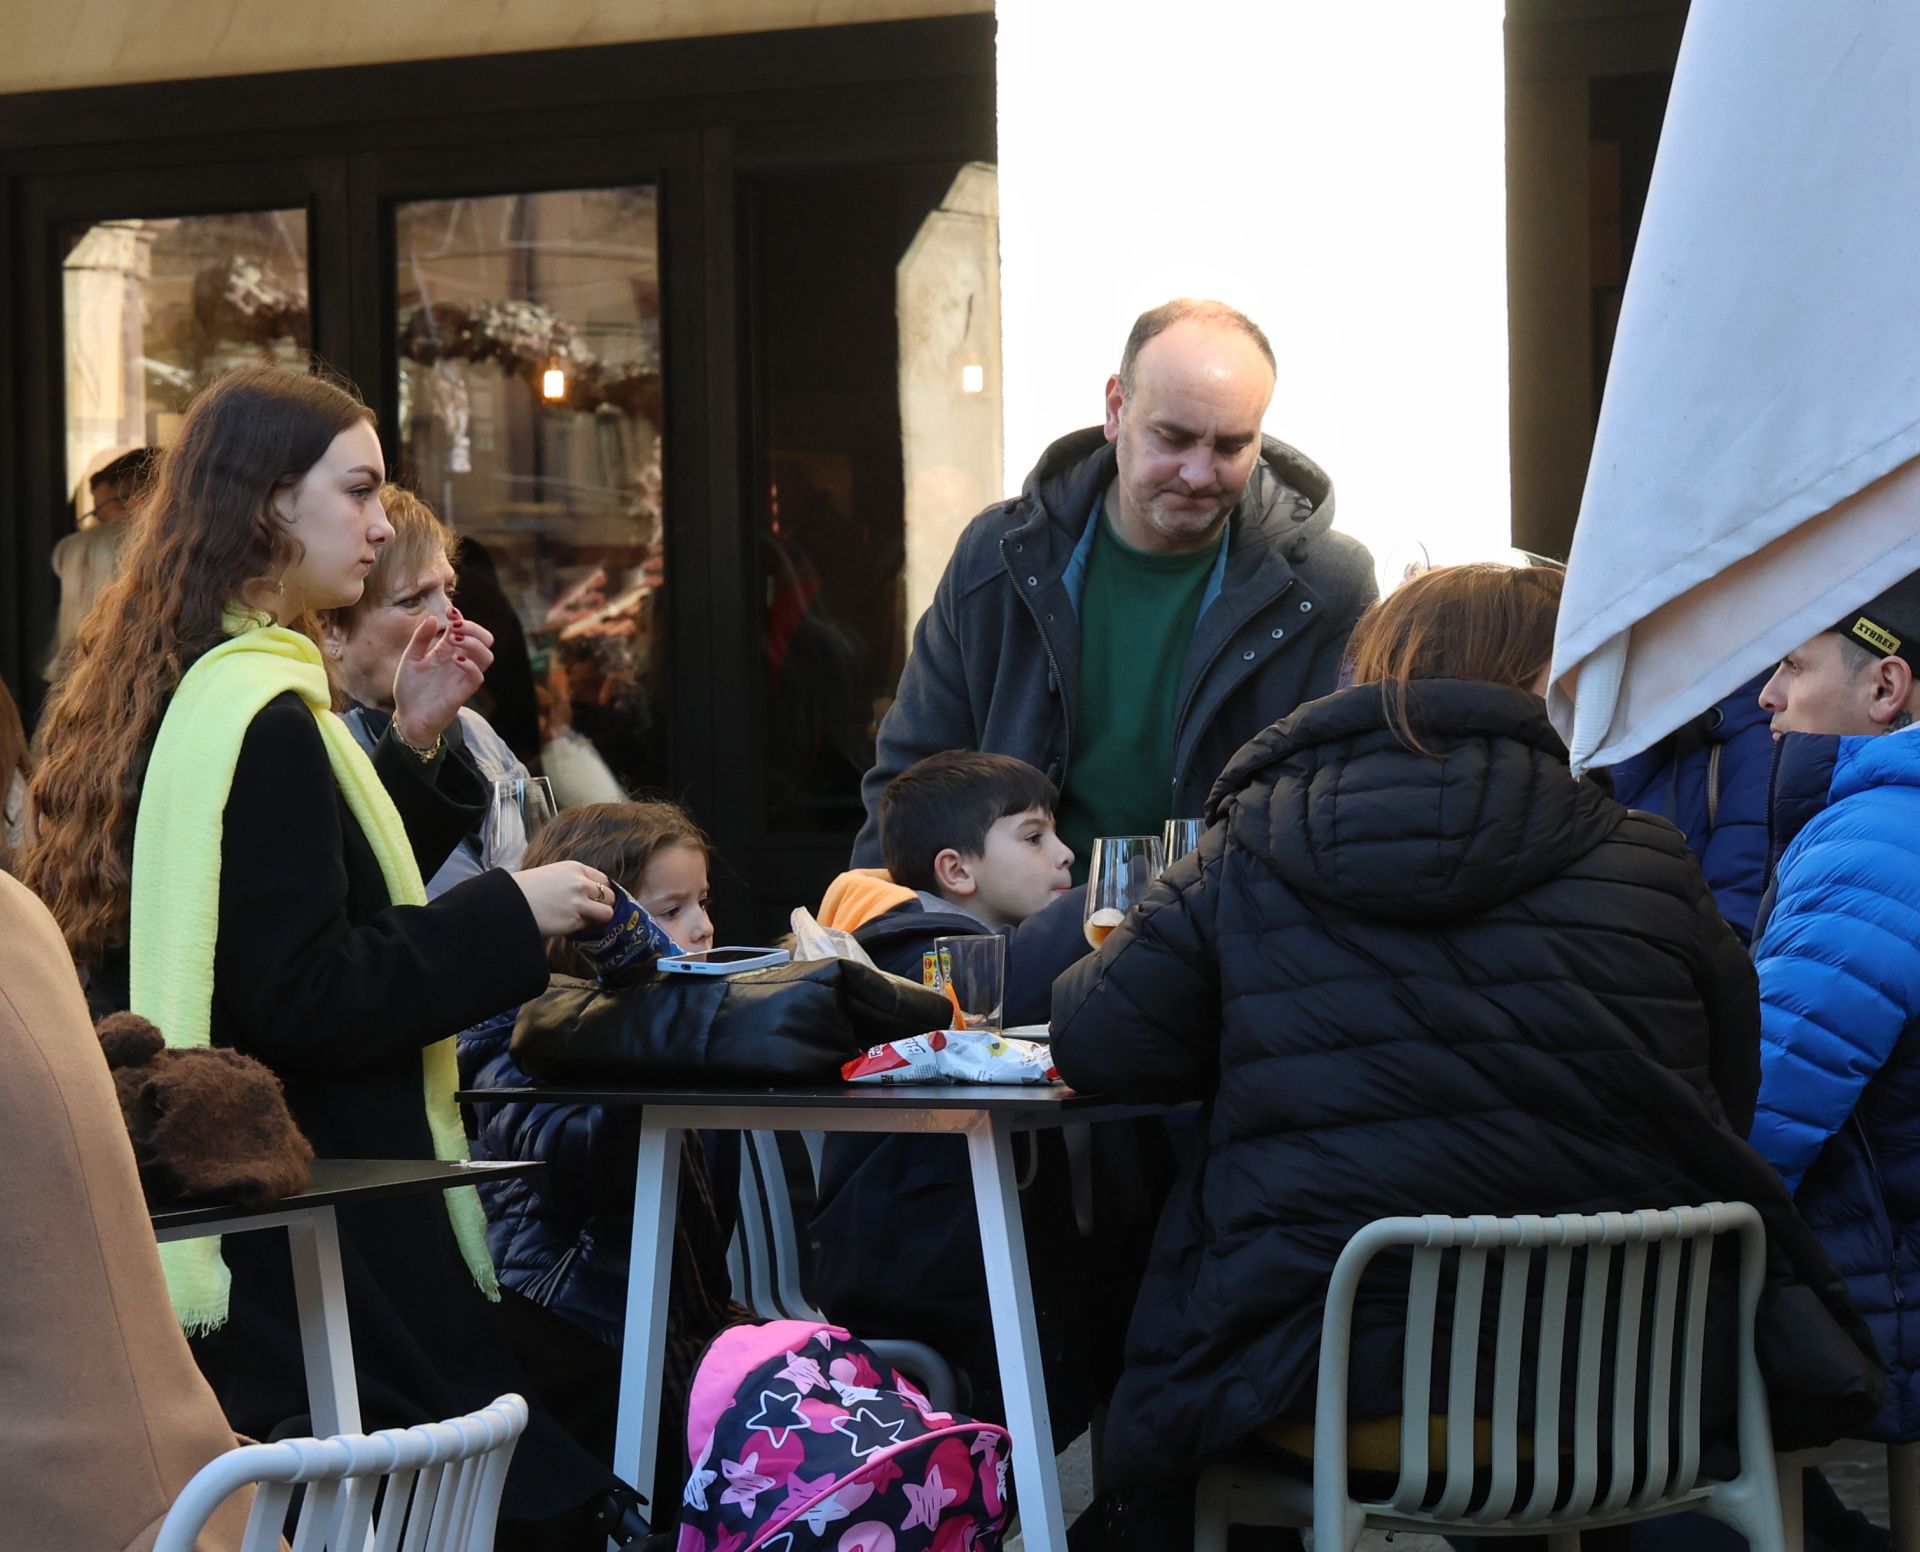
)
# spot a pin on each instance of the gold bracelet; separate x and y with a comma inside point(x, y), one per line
point(424, 756)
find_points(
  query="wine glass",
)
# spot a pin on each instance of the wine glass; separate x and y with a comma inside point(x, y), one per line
point(1122, 868)
point(521, 805)
point(1180, 836)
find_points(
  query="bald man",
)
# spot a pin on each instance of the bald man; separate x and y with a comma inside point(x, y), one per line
point(1167, 585)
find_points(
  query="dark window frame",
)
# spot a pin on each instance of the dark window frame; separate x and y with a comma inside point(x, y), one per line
point(697, 114)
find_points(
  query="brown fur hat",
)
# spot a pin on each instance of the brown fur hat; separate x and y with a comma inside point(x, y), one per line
point(207, 1125)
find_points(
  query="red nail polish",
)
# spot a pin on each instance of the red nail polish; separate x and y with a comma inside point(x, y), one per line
point(459, 659)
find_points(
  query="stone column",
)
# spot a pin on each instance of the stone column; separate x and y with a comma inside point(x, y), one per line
point(948, 294)
point(105, 280)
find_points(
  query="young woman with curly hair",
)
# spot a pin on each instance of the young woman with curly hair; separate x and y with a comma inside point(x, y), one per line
point(224, 859)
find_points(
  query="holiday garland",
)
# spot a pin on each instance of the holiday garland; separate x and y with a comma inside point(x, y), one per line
point(237, 302)
point(524, 340)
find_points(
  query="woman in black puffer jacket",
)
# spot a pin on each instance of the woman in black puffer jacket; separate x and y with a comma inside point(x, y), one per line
point(1414, 967)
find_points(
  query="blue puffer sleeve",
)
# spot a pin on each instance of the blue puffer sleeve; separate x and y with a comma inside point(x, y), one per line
point(1839, 967)
point(1733, 853)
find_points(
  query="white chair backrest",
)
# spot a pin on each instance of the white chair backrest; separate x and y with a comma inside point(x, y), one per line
point(1604, 1322)
point(436, 1485)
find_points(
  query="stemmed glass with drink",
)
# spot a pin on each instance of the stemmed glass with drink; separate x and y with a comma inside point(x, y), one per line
point(1122, 868)
point(521, 805)
point(1180, 836)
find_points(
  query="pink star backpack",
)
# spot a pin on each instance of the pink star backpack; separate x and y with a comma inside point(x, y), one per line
point(802, 1441)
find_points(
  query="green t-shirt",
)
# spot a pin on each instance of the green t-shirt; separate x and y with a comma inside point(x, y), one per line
point(1137, 613)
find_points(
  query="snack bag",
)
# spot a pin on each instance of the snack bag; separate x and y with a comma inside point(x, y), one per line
point(954, 1056)
point(630, 936)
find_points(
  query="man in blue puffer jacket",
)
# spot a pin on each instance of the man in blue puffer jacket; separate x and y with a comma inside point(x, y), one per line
point(1837, 947)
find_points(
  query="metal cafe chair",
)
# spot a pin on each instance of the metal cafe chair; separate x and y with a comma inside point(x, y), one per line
point(437, 1484)
point(1628, 1464)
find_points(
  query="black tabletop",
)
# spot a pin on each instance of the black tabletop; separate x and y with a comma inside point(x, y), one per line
point(1034, 1100)
point(349, 1180)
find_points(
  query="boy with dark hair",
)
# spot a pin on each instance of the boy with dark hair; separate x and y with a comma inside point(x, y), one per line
point(970, 848)
point(973, 833)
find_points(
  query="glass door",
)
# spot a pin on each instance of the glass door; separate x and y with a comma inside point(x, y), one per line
point(875, 437)
point(530, 416)
point(156, 308)
point(148, 295)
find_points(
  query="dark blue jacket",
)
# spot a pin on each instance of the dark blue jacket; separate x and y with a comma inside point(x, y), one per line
point(1838, 952)
point(896, 1244)
point(996, 658)
point(1710, 779)
point(866, 1218)
point(562, 1238)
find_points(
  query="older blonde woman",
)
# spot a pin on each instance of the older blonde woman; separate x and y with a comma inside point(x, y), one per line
point(413, 578)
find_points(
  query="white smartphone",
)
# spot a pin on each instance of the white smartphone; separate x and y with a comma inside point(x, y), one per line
point(723, 961)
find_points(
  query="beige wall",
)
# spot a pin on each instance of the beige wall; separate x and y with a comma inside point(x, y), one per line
point(1549, 301)
point(947, 294)
point(60, 43)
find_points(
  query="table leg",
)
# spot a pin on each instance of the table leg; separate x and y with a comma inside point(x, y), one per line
point(643, 1356)
point(320, 1288)
point(1016, 1335)
point(1792, 1471)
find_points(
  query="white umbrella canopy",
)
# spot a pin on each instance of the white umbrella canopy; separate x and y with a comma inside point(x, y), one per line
point(1754, 473)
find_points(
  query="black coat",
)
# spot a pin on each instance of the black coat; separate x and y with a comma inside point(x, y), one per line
point(1410, 984)
point(885, 1262)
point(895, 1234)
point(337, 990)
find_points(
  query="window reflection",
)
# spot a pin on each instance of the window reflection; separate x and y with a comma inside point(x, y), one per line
point(155, 309)
point(530, 415)
point(876, 322)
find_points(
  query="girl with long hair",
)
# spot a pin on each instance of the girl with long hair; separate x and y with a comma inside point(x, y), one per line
point(225, 860)
point(413, 577)
point(1415, 967)
point(563, 1238)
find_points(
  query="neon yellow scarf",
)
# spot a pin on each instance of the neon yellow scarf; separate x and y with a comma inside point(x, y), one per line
point(176, 898)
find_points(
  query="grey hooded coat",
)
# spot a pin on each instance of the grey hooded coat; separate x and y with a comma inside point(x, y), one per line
point(996, 658)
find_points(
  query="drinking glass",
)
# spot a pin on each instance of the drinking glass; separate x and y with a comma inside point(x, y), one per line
point(973, 972)
point(1180, 836)
point(1123, 866)
point(521, 805)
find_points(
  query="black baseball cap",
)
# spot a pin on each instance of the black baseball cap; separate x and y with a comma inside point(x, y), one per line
point(1889, 625)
